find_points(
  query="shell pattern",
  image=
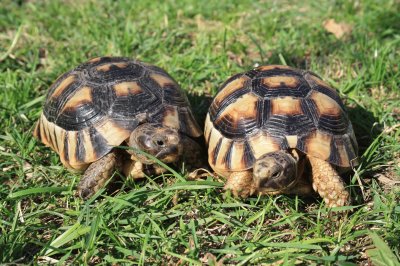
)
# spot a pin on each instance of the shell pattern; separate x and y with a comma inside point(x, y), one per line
point(273, 108)
point(96, 106)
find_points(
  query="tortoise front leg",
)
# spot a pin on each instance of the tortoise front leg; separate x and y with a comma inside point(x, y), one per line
point(97, 174)
point(193, 155)
point(136, 170)
point(327, 182)
point(241, 184)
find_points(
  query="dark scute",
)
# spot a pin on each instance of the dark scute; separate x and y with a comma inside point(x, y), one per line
point(116, 74)
point(236, 129)
point(54, 105)
point(229, 80)
point(80, 117)
point(127, 123)
point(334, 155)
point(248, 155)
point(252, 73)
point(227, 157)
point(333, 124)
point(280, 72)
point(283, 125)
point(80, 152)
point(55, 140)
point(215, 152)
point(99, 143)
point(215, 109)
point(309, 109)
point(331, 93)
point(66, 146)
point(174, 95)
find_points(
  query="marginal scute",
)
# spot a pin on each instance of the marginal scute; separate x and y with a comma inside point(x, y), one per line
point(292, 141)
point(318, 144)
point(261, 143)
point(188, 123)
point(215, 136)
point(113, 133)
point(208, 126)
point(171, 117)
point(237, 153)
point(72, 137)
point(223, 155)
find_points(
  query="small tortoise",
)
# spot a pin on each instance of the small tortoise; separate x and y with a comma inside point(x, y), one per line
point(276, 129)
point(113, 101)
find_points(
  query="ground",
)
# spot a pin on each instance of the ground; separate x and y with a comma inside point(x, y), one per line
point(353, 45)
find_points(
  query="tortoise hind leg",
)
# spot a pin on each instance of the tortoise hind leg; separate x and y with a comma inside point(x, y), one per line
point(327, 182)
point(97, 174)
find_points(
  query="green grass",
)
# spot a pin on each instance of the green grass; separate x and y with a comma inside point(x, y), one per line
point(167, 219)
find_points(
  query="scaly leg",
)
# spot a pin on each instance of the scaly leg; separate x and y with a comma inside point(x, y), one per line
point(241, 184)
point(328, 184)
point(97, 174)
point(136, 170)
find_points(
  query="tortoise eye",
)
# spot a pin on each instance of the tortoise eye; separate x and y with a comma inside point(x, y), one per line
point(159, 142)
point(275, 175)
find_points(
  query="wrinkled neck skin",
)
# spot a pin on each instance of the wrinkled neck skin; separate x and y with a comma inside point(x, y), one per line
point(277, 172)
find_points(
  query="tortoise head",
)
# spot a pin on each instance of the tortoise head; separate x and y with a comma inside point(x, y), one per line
point(275, 172)
point(164, 143)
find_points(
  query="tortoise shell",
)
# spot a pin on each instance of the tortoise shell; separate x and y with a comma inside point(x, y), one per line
point(96, 106)
point(273, 108)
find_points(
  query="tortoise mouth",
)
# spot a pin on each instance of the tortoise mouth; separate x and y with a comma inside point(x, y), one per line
point(275, 189)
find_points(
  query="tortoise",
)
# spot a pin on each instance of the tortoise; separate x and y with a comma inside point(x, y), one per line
point(112, 101)
point(276, 129)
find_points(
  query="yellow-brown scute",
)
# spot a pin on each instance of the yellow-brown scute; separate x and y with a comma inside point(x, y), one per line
point(280, 81)
point(313, 79)
point(272, 67)
point(112, 132)
point(326, 105)
point(171, 117)
point(286, 106)
point(107, 67)
point(162, 80)
point(262, 143)
point(81, 97)
point(127, 88)
point(229, 89)
point(63, 85)
point(318, 145)
point(245, 108)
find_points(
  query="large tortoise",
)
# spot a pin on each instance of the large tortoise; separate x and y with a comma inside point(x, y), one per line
point(113, 101)
point(276, 129)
